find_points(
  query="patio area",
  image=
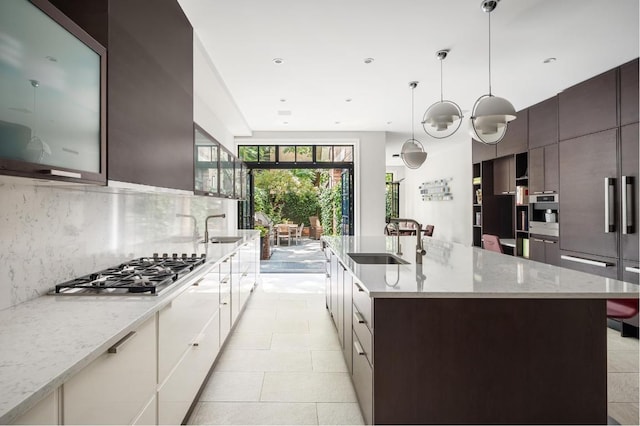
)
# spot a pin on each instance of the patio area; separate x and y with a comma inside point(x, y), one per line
point(304, 257)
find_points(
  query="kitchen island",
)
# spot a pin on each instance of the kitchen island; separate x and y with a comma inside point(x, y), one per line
point(470, 336)
point(48, 343)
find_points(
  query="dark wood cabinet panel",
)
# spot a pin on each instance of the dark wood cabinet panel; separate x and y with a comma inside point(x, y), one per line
point(150, 88)
point(544, 249)
point(504, 175)
point(630, 272)
point(515, 141)
point(543, 123)
point(629, 93)
point(598, 265)
point(588, 107)
point(536, 249)
point(482, 152)
point(552, 252)
point(629, 165)
point(551, 169)
point(585, 162)
point(536, 171)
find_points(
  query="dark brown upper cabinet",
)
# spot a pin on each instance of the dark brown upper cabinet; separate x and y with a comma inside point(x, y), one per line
point(149, 88)
point(543, 170)
point(504, 175)
point(515, 141)
point(629, 93)
point(543, 123)
point(629, 166)
point(588, 107)
point(481, 151)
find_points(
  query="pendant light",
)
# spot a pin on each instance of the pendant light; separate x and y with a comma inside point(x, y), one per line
point(491, 114)
point(412, 153)
point(36, 149)
point(443, 118)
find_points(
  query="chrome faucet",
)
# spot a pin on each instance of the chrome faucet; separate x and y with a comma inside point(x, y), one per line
point(419, 248)
point(195, 223)
point(206, 225)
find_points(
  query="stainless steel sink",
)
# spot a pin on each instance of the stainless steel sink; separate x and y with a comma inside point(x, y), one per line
point(377, 259)
point(224, 240)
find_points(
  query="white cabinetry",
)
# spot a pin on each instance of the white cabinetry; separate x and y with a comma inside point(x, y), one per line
point(188, 343)
point(117, 387)
point(225, 299)
point(44, 412)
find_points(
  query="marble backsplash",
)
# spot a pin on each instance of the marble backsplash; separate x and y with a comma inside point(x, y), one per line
point(50, 234)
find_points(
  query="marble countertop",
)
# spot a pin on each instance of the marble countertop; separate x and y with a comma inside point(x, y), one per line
point(48, 339)
point(453, 270)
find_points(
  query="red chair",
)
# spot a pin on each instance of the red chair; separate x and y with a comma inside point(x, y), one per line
point(492, 243)
point(428, 231)
point(622, 308)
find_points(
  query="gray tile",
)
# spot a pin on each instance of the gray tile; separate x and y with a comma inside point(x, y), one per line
point(621, 387)
point(625, 413)
point(303, 314)
point(255, 413)
point(623, 361)
point(328, 361)
point(306, 341)
point(233, 386)
point(308, 387)
point(274, 326)
point(321, 326)
point(339, 413)
point(239, 340)
point(270, 360)
point(615, 342)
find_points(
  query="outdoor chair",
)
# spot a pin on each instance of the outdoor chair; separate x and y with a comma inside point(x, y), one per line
point(299, 233)
point(283, 232)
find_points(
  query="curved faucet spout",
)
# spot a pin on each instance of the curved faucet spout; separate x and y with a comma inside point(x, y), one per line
point(419, 248)
point(206, 225)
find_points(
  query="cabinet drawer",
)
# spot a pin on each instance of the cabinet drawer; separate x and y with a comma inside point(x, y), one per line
point(44, 412)
point(116, 387)
point(363, 383)
point(178, 392)
point(183, 319)
point(149, 414)
point(362, 302)
point(597, 265)
point(363, 334)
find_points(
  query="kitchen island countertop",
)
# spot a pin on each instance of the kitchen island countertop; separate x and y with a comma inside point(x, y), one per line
point(452, 270)
point(48, 339)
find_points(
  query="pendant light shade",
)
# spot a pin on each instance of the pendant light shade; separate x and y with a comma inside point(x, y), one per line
point(491, 114)
point(412, 152)
point(443, 118)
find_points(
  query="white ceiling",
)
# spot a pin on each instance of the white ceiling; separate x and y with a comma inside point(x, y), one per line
point(324, 44)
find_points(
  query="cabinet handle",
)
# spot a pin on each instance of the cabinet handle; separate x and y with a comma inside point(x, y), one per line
point(120, 343)
point(549, 242)
point(545, 192)
point(632, 269)
point(627, 204)
point(538, 192)
point(197, 283)
point(585, 261)
point(224, 303)
point(609, 212)
point(224, 280)
point(359, 318)
point(505, 192)
point(359, 288)
point(512, 192)
point(358, 347)
point(538, 240)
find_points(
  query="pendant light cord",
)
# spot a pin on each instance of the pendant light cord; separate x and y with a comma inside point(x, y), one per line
point(489, 53)
point(441, 96)
point(413, 87)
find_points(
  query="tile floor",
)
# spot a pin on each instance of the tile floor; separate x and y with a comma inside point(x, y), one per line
point(283, 365)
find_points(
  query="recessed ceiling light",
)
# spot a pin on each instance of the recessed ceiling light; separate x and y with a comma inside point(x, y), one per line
point(549, 60)
point(278, 60)
point(283, 100)
point(368, 60)
point(348, 100)
point(396, 155)
point(285, 122)
point(337, 122)
point(51, 58)
point(389, 122)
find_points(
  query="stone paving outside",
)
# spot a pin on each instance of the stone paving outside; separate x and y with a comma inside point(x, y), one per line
point(304, 257)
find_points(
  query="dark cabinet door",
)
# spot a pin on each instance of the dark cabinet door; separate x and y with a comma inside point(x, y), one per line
point(503, 179)
point(536, 249)
point(536, 171)
point(585, 163)
point(596, 265)
point(588, 107)
point(551, 169)
point(552, 252)
point(515, 140)
point(482, 152)
point(629, 167)
point(629, 93)
point(543, 123)
point(631, 272)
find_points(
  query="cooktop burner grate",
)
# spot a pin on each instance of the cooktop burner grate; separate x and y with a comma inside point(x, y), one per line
point(144, 275)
